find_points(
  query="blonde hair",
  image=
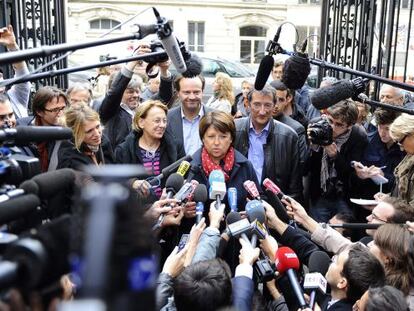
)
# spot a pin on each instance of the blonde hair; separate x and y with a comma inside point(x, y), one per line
point(402, 126)
point(75, 117)
point(225, 87)
point(142, 112)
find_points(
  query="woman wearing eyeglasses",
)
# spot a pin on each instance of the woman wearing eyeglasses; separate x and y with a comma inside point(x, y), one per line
point(149, 144)
point(88, 145)
point(48, 105)
point(402, 132)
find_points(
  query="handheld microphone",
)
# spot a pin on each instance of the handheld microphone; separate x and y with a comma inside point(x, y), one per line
point(251, 189)
point(167, 171)
point(24, 135)
point(315, 281)
point(18, 207)
point(274, 199)
point(183, 168)
point(238, 228)
point(190, 196)
point(232, 198)
point(256, 214)
point(170, 43)
point(173, 184)
point(29, 186)
point(200, 196)
point(217, 189)
point(325, 97)
point(185, 191)
point(287, 261)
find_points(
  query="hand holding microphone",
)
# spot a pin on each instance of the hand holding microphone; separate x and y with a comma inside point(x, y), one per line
point(217, 189)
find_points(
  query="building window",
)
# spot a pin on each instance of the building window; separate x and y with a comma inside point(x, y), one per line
point(252, 44)
point(404, 4)
point(103, 23)
point(313, 40)
point(309, 1)
point(196, 36)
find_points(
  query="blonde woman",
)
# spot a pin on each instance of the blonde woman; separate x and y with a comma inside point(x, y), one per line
point(88, 146)
point(149, 144)
point(223, 98)
point(402, 132)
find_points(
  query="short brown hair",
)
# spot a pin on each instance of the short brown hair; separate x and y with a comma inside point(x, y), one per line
point(181, 77)
point(385, 116)
point(345, 110)
point(45, 95)
point(220, 120)
point(142, 112)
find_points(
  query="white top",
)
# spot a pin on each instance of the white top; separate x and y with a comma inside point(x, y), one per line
point(219, 104)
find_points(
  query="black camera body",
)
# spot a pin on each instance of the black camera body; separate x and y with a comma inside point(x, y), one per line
point(264, 270)
point(320, 132)
point(156, 46)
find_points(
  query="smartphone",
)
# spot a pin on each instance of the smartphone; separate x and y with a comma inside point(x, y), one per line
point(183, 241)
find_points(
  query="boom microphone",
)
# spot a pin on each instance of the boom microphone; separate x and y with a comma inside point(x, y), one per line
point(265, 68)
point(287, 262)
point(296, 70)
point(325, 97)
point(18, 207)
point(24, 135)
point(170, 43)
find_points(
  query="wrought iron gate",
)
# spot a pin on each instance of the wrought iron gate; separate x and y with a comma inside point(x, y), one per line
point(37, 23)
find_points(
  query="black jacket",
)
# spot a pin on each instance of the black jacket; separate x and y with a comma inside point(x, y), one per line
point(281, 153)
point(351, 150)
point(117, 121)
point(70, 157)
point(128, 152)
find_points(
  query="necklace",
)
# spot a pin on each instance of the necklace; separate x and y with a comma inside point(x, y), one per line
point(150, 154)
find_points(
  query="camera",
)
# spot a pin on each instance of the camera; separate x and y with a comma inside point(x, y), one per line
point(320, 133)
point(264, 270)
point(156, 46)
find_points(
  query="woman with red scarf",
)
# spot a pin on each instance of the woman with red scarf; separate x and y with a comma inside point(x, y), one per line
point(217, 132)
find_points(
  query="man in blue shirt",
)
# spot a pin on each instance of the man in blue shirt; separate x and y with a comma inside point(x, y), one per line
point(271, 146)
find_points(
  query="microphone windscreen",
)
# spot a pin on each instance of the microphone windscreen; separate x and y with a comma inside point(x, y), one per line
point(265, 68)
point(255, 210)
point(216, 175)
point(319, 261)
point(296, 70)
point(286, 259)
point(325, 97)
point(194, 66)
point(232, 217)
point(27, 134)
point(280, 209)
point(200, 193)
point(29, 186)
point(174, 182)
point(53, 182)
point(18, 207)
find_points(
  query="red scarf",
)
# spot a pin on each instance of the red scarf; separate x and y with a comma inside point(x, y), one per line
point(209, 165)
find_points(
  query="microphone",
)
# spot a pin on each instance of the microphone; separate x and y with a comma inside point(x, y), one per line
point(356, 226)
point(287, 261)
point(232, 198)
point(173, 185)
point(257, 216)
point(325, 97)
point(314, 280)
point(200, 196)
point(170, 43)
point(18, 207)
point(167, 171)
point(251, 189)
point(267, 62)
point(238, 227)
point(217, 189)
point(186, 190)
point(53, 182)
point(183, 168)
point(190, 196)
point(192, 61)
point(24, 135)
point(29, 186)
point(274, 200)
point(37, 260)
point(296, 70)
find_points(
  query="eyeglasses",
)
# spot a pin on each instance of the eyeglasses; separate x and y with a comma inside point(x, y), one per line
point(55, 110)
point(377, 218)
point(336, 124)
point(266, 106)
point(401, 141)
